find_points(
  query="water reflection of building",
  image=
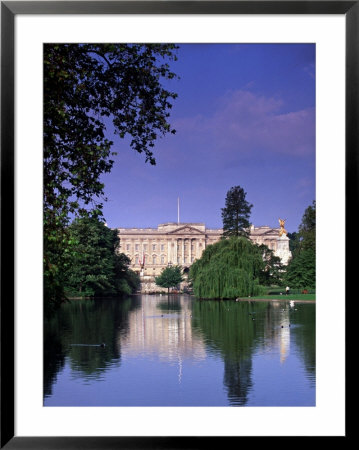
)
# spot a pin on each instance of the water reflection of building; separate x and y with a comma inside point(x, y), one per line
point(158, 329)
point(278, 336)
point(284, 334)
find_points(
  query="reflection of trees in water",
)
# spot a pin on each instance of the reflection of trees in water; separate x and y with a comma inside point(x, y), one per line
point(304, 335)
point(54, 359)
point(225, 327)
point(89, 322)
point(301, 317)
point(237, 379)
point(228, 329)
point(170, 303)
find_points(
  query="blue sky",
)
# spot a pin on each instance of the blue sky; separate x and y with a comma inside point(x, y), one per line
point(245, 115)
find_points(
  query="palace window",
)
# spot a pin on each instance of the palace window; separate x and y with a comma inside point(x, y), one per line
point(128, 247)
point(137, 247)
point(144, 247)
point(136, 259)
point(154, 247)
point(154, 260)
point(185, 259)
point(162, 259)
point(162, 247)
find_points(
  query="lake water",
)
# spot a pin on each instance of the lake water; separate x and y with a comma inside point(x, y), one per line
point(178, 351)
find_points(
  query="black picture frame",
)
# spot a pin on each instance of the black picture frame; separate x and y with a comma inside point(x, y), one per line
point(9, 9)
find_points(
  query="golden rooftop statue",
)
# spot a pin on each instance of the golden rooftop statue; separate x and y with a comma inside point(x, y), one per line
point(282, 229)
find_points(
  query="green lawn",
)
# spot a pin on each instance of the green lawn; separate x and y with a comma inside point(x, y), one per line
point(285, 297)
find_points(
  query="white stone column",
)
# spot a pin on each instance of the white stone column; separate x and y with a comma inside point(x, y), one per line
point(169, 251)
point(175, 252)
point(190, 251)
point(182, 251)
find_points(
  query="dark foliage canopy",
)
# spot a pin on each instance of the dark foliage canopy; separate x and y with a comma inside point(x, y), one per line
point(97, 268)
point(86, 87)
point(91, 91)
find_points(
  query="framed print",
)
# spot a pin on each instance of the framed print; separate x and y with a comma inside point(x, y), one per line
point(207, 321)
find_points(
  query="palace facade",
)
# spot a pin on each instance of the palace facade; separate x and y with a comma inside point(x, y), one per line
point(152, 249)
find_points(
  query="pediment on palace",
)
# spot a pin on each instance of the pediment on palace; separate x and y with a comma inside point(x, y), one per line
point(271, 232)
point(187, 230)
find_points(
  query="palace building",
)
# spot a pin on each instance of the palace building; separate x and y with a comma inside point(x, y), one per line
point(152, 249)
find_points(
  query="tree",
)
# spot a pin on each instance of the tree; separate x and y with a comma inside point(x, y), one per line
point(126, 280)
point(227, 269)
point(301, 270)
point(236, 213)
point(169, 277)
point(273, 269)
point(90, 89)
point(294, 242)
point(307, 228)
point(97, 268)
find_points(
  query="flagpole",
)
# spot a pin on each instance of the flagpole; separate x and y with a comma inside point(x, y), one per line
point(178, 219)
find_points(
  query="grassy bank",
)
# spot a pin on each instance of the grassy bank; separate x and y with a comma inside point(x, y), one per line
point(285, 297)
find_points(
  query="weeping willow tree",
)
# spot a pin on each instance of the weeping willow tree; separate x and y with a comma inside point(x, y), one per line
point(227, 269)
